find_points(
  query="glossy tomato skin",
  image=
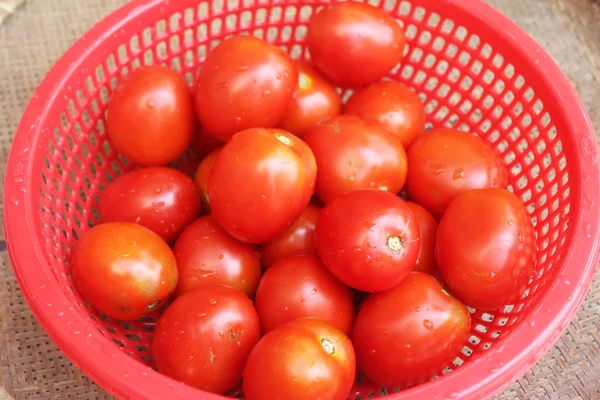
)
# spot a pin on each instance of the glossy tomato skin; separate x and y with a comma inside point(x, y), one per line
point(162, 199)
point(206, 254)
point(205, 337)
point(485, 248)
point(301, 286)
point(409, 333)
point(368, 239)
point(204, 143)
point(352, 154)
point(315, 100)
point(151, 116)
point(305, 358)
point(427, 232)
point(354, 44)
point(201, 179)
point(244, 83)
point(123, 270)
point(393, 105)
point(297, 240)
point(445, 162)
point(261, 183)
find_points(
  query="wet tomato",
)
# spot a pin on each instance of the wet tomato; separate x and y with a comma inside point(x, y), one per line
point(162, 199)
point(261, 183)
point(427, 231)
point(354, 43)
point(151, 116)
point(485, 248)
point(205, 337)
point(123, 270)
point(305, 358)
point(409, 333)
point(244, 83)
point(368, 239)
point(445, 162)
point(352, 154)
point(302, 287)
point(201, 179)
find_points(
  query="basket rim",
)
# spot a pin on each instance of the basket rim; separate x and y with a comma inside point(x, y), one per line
point(128, 378)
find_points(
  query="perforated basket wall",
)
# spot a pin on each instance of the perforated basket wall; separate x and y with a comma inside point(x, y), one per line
point(472, 69)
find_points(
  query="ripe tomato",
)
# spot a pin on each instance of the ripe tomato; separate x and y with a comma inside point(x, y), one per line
point(123, 270)
point(409, 333)
point(445, 162)
point(298, 240)
point(352, 154)
point(315, 100)
point(244, 83)
point(305, 358)
point(485, 248)
point(427, 230)
point(392, 105)
point(261, 183)
point(162, 199)
point(205, 337)
point(206, 254)
point(151, 116)
point(302, 287)
point(368, 239)
point(201, 179)
point(204, 143)
point(354, 44)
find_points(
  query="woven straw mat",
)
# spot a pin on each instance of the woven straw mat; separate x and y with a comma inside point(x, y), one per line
point(38, 33)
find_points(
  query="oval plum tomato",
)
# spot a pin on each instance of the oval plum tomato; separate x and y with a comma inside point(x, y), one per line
point(205, 337)
point(305, 358)
point(352, 154)
point(201, 179)
point(123, 270)
point(297, 240)
point(445, 162)
point(393, 105)
point(354, 44)
point(368, 239)
point(301, 286)
point(261, 183)
point(485, 248)
point(162, 199)
point(151, 116)
point(427, 231)
point(204, 143)
point(315, 100)
point(409, 333)
point(244, 83)
point(206, 254)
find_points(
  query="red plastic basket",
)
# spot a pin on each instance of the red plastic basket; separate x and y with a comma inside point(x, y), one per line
point(473, 69)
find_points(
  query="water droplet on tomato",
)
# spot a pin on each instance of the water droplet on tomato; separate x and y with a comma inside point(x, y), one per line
point(356, 250)
point(150, 104)
point(242, 68)
point(221, 256)
point(458, 173)
point(158, 190)
point(213, 302)
point(367, 258)
point(428, 325)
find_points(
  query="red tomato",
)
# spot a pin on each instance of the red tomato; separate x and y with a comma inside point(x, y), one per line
point(315, 100)
point(151, 116)
point(163, 200)
point(302, 287)
point(205, 337)
point(369, 239)
point(303, 359)
point(409, 333)
point(445, 162)
point(201, 179)
point(393, 105)
point(204, 143)
point(352, 154)
point(261, 183)
point(485, 248)
point(244, 83)
point(123, 270)
point(427, 231)
point(298, 240)
point(206, 254)
point(354, 44)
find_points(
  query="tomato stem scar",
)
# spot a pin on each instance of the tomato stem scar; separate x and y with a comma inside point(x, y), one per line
point(328, 346)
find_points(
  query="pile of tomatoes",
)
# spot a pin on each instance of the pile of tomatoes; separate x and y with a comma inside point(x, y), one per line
point(308, 263)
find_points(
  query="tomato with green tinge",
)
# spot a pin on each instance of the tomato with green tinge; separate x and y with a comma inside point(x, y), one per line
point(201, 179)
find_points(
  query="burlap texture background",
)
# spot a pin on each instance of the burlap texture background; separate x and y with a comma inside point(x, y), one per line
point(36, 35)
